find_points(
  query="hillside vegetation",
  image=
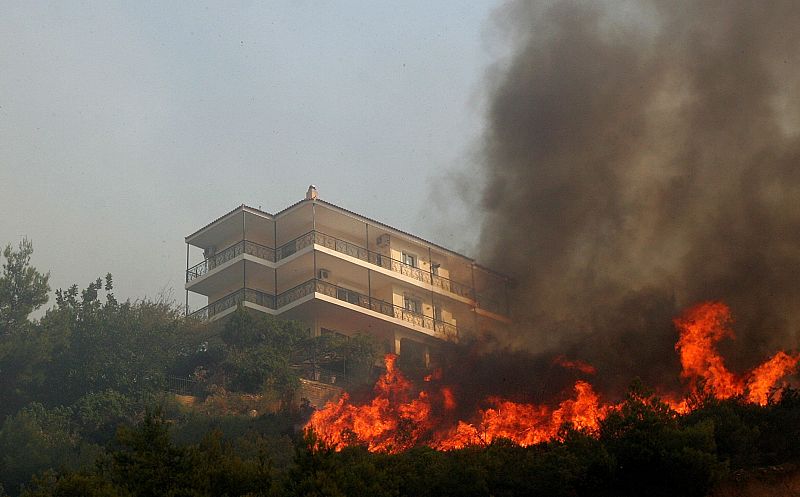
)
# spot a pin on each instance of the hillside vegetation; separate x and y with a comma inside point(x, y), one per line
point(86, 410)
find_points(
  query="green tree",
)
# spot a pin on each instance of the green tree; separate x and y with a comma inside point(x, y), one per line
point(36, 439)
point(72, 484)
point(655, 454)
point(23, 289)
point(24, 359)
point(258, 352)
point(145, 462)
point(353, 357)
point(103, 344)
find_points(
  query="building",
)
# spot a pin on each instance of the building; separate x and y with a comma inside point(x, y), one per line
point(341, 272)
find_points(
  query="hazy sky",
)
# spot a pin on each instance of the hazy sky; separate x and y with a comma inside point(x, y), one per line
point(126, 126)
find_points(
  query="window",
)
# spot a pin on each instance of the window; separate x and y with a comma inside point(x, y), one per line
point(409, 259)
point(411, 304)
point(435, 268)
point(437, 312)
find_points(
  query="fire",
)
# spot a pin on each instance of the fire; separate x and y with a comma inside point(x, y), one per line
point(526, 424)
point(574, 364)
point(393, 421)
point(396, 419)
point(400, 416)
point(701, 328)
point(764, 377)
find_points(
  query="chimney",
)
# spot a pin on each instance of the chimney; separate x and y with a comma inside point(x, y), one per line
point(311, 194)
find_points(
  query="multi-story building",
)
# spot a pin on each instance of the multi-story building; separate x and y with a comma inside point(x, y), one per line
point(341, 272)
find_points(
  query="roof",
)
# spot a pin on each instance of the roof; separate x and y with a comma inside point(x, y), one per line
point(347, 211)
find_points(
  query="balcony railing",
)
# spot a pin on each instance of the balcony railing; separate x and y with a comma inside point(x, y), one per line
point(333, 243)
point(446, 330)
point(376, 258)
point(225, 255)
point(232, 300)
point(323, 375)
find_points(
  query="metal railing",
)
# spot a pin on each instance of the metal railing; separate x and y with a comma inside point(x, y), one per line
point(225, 255)
point(182, 386)
point(447, 330)
point(386, 262)
point(295, 293)
point(333, 243)
point(323, 375)
point(232, 300)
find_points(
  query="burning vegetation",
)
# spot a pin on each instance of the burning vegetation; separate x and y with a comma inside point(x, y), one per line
point(401, 416)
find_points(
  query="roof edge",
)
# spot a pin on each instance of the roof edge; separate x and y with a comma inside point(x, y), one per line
point(244, 207)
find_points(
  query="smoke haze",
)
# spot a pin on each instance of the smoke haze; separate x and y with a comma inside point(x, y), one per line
point(639, 158)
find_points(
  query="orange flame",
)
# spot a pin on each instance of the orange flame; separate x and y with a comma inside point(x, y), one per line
point(574, 364)
point(399, 416)
point(395, 420)
point(764, 377)
point(701, 327)
point(526, 424)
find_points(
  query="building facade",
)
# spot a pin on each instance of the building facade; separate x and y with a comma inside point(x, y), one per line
point(340, 272)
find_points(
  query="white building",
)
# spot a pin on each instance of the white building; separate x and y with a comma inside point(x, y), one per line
point(341, 272)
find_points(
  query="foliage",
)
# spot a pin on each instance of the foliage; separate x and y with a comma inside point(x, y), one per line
point(97, 415)
point(103, 344)
point(257, 352)
point(23, 289)
point(655, 454)
point(24, 361)
point(353, 356)
point(35, 439)
point(84, 413)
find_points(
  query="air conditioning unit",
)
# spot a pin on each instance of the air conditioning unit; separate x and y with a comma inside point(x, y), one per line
point(323, 274)
point(383, 240)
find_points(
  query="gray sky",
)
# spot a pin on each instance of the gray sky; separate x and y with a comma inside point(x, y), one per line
point(126, 126)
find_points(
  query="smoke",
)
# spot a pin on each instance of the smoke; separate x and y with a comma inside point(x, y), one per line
point(640, 157)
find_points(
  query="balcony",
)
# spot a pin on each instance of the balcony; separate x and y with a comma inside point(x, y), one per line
point(232, 300)
point(333, 243)
point(230, 253)
point(444, 330)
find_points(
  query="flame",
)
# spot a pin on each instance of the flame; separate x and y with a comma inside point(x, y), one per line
point(701, 327)
point(574, 364)
point(766, 376)
point(527, 424)
point(396, 420)
point(399, 416)
point(393, 421)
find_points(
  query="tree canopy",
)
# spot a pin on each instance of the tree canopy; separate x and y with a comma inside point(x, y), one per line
point(23, 289)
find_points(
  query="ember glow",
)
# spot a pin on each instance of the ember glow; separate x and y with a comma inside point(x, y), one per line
point(401, 416)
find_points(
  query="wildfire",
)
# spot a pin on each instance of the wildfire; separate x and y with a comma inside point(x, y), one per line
point(399, 417)
point(701, 327)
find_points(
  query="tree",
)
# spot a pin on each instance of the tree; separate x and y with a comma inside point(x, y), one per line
point(104, 344)
point(353, 357)
point(23, 289)
point(145, 461)
point(37, 439)
point(257, 353)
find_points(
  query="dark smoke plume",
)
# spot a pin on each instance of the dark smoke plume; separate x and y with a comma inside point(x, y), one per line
point(641, 157)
